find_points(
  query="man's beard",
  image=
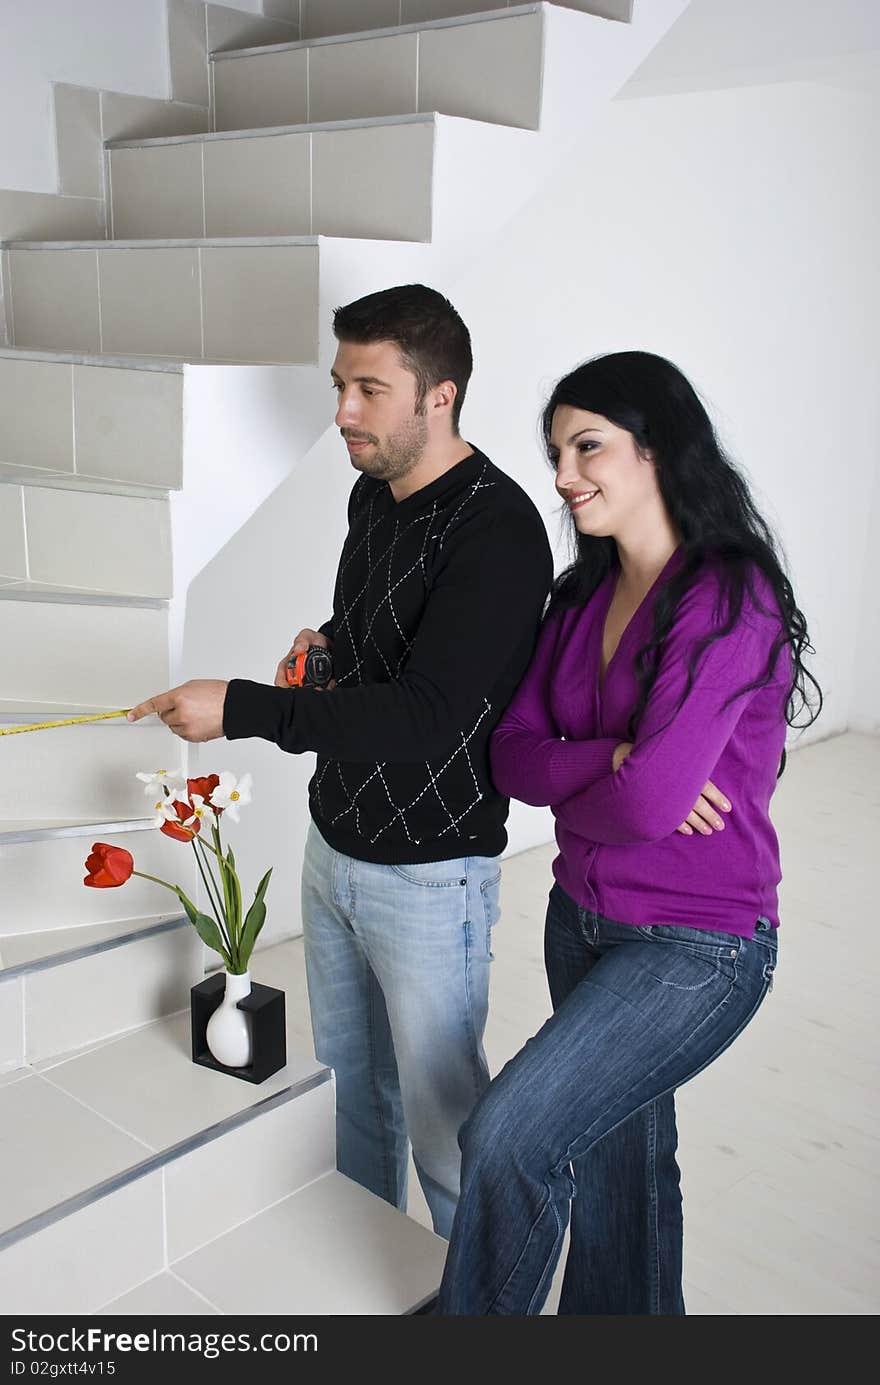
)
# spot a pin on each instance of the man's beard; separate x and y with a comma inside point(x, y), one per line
point(399, 454)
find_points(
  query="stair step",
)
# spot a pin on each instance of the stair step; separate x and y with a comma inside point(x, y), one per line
point(43, 592)
point(16, 831)
point(24, 953)
point(63, 541)
point(332, 1248)
point(428, 66)
point(83, 421)
point(149, 1138)
point(119, 985)
point(43, 862)
point(80, 772)
point(246, 299)
point(98, 652)
point(370, 178)
point(337, 17)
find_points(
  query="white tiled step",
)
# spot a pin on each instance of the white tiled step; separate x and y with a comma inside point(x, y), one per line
point(24, 953)
point(120, 981)
point(251, 300)
point(485, 70)
point(332, 1248)
point(176, 1153)
point(81, 772)
point(342, 16)
point(72, 540)
point(87, 422)
point(104, 655)
point(43, 867)
point(367, 178)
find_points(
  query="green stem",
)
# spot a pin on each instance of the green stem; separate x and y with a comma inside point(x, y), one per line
point(224, 878)
point(213, 898)
point(156, 881)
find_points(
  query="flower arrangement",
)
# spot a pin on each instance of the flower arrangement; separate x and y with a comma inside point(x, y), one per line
point(184, 808)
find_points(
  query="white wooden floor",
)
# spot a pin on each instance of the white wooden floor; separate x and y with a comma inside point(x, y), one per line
point(779, 1139)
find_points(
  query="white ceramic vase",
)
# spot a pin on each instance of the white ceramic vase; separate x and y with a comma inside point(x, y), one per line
point(228, 1034)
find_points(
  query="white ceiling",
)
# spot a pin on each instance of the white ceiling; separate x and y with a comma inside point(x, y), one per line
point(724, 43)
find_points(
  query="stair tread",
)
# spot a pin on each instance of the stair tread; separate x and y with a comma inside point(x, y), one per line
point(123, 1107)
point(418, 26)
point(78, 596)
point(162, 1296)
point(364, 1257)
point(220, 242)
point(28, 952)
point(155, 363)
point(265, 131)
point(13, 830)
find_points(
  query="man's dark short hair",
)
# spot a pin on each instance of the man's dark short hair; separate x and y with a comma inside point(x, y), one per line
point(431, 338)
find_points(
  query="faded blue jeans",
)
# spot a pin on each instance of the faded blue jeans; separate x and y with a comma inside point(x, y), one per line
point(397, 964)
point(583, 1119)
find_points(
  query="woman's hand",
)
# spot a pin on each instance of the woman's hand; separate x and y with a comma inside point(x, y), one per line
point(703, 817)
point(620, 754)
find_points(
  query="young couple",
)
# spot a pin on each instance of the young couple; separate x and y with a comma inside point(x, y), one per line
point(650, 717)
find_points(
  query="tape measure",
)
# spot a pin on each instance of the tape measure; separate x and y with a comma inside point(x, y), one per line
point(311, 669)
point(68, 721)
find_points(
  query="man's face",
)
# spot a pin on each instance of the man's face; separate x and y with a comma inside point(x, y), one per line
point(376, 415)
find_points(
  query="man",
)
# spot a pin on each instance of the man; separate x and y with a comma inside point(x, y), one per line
point(439, 591)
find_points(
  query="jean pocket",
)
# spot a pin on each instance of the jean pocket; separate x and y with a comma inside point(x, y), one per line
point(692, 957)
point(434, 875)
point(490, 893)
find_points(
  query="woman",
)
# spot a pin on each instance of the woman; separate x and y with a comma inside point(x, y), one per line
point(652, 720)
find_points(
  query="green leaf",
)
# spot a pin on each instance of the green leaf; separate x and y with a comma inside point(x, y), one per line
point(205, 927)
point(253, 923)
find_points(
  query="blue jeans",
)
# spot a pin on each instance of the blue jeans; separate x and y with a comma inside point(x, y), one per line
point(583, 1119)
point(397, 964)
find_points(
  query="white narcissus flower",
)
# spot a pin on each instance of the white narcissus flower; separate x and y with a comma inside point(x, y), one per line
point(201, 810)
point(231, 793)
point(161, 779)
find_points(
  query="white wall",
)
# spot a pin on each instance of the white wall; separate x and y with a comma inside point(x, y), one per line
point(114, 45)
point(865, 713)
point(731, 231)
point(734, 232)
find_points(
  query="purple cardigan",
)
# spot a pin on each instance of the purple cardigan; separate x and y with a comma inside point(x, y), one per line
point(620, 853)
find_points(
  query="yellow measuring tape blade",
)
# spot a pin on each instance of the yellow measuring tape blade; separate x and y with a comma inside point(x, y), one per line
point(69, 721)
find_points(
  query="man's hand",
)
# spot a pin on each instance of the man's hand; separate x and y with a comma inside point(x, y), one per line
point(194, 711)
point(304, 640)
point(702, 817)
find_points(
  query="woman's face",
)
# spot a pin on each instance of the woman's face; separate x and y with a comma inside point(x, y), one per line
point(607, 483)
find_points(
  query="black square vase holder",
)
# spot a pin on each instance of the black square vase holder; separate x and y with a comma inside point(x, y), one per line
point(265, 1005)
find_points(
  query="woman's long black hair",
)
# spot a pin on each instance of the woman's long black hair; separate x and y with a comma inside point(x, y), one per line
point(708, 502)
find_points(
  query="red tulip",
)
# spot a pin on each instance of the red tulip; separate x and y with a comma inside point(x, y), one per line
point(187, 825)
point(108, 866)
point(204, 787)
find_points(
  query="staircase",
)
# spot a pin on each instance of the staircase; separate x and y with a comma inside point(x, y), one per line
point(379, 142)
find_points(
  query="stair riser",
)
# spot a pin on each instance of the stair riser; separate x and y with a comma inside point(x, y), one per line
point(395, 75)
point(123, 426)
point(81, 772)
point(325, 17)
point(118, 545)
point(44, 879)
point(82, 1262)
point(88, 1000)
point(371, 182)
point(79, 655)
point(236, 303)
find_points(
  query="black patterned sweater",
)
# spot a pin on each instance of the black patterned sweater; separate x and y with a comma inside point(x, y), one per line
point(436, 608)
